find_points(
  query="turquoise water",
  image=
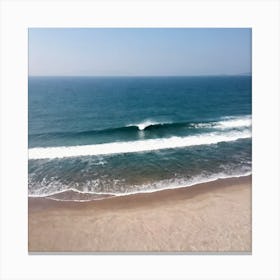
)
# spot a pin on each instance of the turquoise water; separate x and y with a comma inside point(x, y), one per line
point(127, 135)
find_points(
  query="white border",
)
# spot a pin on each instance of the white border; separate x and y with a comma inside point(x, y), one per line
point(262, 16)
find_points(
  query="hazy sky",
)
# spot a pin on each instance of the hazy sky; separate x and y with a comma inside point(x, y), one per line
point(139, 51)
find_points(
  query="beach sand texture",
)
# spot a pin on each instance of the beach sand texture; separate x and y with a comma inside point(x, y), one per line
point(210, 217)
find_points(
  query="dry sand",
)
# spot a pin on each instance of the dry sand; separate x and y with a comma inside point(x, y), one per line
point(210, 217)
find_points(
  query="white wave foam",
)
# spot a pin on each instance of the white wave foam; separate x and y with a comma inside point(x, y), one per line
point(147, 188)
point(135, 146)
point(145, 124)
point(235, 123)
point(182, 183)
point(38, 193)
point(227, 123)
point(202, 125)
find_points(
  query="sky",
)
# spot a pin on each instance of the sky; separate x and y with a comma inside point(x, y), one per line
point(139, 51)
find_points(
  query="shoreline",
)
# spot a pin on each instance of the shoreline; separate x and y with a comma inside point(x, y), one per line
point(72, 195)
point(207, 217)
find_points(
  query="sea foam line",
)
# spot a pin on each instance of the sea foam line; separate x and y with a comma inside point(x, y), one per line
point(135, 146)
point(227, 123)
point(145, 189)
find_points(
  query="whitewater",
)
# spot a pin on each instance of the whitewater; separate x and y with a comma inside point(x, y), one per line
point(136, 146)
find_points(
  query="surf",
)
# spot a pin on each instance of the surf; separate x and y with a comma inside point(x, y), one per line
point(136, 146)
point(73, 194)
point(223, 123)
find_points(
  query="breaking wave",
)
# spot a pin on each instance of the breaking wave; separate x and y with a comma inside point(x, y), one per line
point(137, 146)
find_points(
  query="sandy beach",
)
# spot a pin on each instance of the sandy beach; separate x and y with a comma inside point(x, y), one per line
point(210, 217)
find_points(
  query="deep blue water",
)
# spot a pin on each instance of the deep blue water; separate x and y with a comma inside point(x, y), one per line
point(119, 135)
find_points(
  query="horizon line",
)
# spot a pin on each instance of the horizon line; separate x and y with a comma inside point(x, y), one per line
point(144, 76)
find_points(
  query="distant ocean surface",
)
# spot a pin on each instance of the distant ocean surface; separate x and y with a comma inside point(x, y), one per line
point(91, 137)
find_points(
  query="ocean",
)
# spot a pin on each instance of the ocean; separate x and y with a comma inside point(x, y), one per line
point(93, 137)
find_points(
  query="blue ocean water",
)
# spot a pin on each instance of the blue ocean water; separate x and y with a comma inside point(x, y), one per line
point(120, 135)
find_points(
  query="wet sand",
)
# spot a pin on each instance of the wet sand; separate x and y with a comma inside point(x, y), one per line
point(209, 217)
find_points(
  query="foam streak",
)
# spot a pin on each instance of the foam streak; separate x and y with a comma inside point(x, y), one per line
point(135, 146)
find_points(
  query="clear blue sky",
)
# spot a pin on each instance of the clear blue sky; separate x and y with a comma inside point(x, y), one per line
point(139, 51)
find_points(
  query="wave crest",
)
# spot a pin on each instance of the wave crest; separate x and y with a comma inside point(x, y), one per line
point(136, 146)
point(146, 124)
point(226, 123)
